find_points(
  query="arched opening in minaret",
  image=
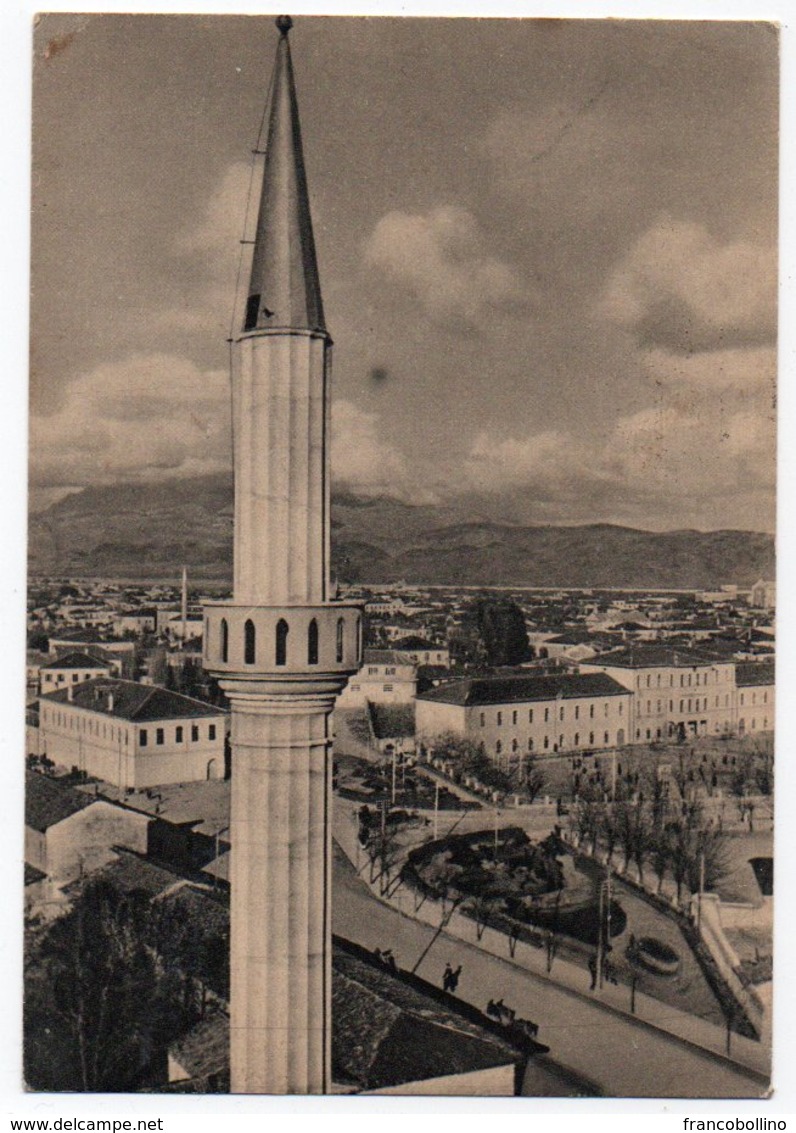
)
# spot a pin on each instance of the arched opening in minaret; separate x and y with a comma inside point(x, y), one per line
point(282, 630)
point(249, 642)
point(340, 639)
point(312, 643)
point(252, 312)
point(224, 640)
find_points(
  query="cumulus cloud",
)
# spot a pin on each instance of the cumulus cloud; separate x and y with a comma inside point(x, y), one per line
point(157, 416)
point(662, 461)
point(207, 253)
point(361, 458)
point(440, 258)
point(680, 289)
point(147, 417)
point(496, 464)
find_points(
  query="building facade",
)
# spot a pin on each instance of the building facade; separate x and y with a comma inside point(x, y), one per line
point(132, 735)
point(385, 677)
point(518, 716)
point(677, 693)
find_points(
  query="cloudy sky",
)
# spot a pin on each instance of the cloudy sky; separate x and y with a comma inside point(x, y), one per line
point(547, 252)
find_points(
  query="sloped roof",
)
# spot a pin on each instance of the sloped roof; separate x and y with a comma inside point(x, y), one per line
point(204, 1050)
point(48, 802)
point(752, 673)
point(133, 701)
point(388, 1029)
point(510, 690)
point(77, 660)
point(414, 643)
point(384, 657)
point(655, 656)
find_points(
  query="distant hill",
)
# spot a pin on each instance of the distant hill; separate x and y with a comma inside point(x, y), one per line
point(135, 531)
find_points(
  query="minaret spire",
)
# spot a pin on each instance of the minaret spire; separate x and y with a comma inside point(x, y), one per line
point(284, 288)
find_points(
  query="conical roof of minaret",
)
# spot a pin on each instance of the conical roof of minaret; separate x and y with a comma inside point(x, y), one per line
point(284, 291)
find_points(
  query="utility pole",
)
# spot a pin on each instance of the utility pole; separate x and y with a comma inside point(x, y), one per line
point(598, 982)
point(436, 809)
point(701, 890)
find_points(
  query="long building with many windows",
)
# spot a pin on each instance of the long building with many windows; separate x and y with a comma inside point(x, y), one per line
point(650, 694)
point(132, 735)
point(517, 715)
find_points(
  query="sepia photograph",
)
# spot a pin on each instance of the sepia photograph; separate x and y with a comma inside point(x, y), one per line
point(401, 598)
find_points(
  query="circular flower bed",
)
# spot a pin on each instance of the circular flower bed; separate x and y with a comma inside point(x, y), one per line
point(656, 956)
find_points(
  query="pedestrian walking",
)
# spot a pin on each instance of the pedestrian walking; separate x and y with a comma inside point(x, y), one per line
point(593, 971)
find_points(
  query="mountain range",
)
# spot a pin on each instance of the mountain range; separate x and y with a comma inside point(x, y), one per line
point(150, 531)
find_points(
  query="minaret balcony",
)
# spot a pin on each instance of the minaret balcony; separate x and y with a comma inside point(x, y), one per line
point(242, 640)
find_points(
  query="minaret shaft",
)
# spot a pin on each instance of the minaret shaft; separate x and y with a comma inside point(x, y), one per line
point(280, 422)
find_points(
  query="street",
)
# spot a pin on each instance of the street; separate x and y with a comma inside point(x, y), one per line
point(588, 1044)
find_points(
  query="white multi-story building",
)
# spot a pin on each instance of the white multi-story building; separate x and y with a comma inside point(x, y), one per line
point(132, 735)
point(73, 668)
point(385, 677)
point(677, 692)
point(517, 715)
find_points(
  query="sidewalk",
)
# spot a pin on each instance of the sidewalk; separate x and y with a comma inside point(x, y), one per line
point(649, 1012)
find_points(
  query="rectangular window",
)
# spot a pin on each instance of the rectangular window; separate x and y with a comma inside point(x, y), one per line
point(159, 736)
point(142, 738)
point(546, 717)
point(483, 719)
point(388, 688)
point(499, 718)
point(620, 707)
point(178, 734)
point(75, 677)
point(194, 732)
point(530, 716)
point(606, 737)
point(561, 713)
point(649, 707)
point(577, 711)
point(514, 717)
point(591, 711)
point(211, 732)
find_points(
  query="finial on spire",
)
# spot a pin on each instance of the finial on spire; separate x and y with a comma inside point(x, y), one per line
point(284, 23)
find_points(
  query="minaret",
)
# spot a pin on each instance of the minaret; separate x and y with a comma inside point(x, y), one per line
point(281, 648)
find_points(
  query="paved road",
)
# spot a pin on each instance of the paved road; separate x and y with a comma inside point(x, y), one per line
point(620, 1057)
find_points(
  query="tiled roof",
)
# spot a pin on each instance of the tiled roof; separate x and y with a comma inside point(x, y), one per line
point(414, 643)
point(48, 802)
point(389, 1029)
point(205, 1048)
point(655, 656)
point(510, 690)
point(76, 660)
point(383, 657)
point(129, 700)
point(752, 673)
